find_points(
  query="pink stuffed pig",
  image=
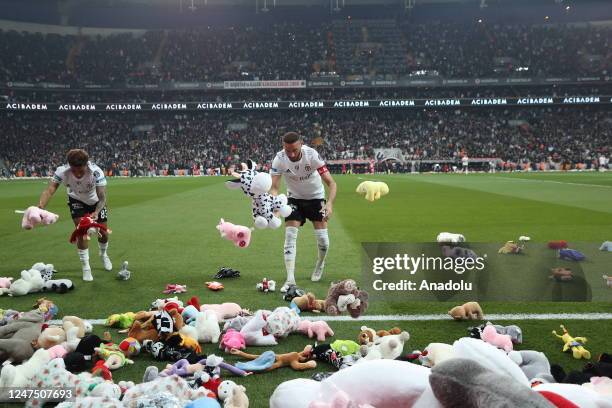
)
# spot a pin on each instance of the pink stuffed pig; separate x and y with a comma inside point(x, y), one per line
point(232, 339)
point(239, 234)
point(33, 216)
point(502, 341)
point(318, 328)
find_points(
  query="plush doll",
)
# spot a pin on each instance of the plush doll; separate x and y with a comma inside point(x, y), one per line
point(387, 347)
point(215, 286)
point(293, 291)
point(557, 244)
point(450, 237)
point(21, 375)
point(60, 286)
point(86, 227)
point(170, 351)
point(232, 339)
point(84, 326)
point(282, 322)
point(467, 311)
point(340, 400)
point(256, 185)
point(31, 281)
point(345, 347)
point(167, 304)
point(130, 347)
point(320, 329)
point(561, 274)
point(124, 273)
point(490, 335)
point(184, 369)
point(346, 296)
point(238, 234)
point(368, 336)
point(608, 280)
point(5, 283)
point(51, 336)
point(573, 343)
point(601, 368)
point(122, 321)
point(237, 398)
point(435, 353)
point(175, 385)
point(46, 270)
point(72, 338)
point(236, 323)
point(534, 364)
point(143, 330)
point(511, 247)
point(226, 272)
point(372, 190)
point(47, 307)
point(175, 288)
point(298, 361)
point(515, 332)
point(571, 255)
point(606, 246)
point(308, 303)
point(33, 216)
point(458, 253)
point(207, 327)
point(18, 337)
point(113, 359)
point(224, 311)
point(266, 285)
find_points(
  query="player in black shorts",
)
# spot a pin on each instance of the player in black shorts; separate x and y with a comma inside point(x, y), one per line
point(304, 172)
point(86, 188)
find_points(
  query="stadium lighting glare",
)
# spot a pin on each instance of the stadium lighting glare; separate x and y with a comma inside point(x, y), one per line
point(480, 20)
point(567, 8)
point(546, 18)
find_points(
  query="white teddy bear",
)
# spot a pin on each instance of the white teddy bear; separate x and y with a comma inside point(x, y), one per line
point(31, 281)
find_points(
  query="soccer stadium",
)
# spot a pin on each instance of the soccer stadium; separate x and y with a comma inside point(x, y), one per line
point(306, 203)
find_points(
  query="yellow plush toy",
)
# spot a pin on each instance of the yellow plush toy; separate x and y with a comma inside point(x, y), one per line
point(373, 190)
point(575, 343)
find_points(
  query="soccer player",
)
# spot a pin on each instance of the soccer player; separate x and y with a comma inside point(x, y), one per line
point(464, 162)
point(86, 187)
point(304, 173)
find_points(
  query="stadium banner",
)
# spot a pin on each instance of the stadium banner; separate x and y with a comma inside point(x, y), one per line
point(264, 84)
point(388, 153)
point(480, 271)
point(301, 105)
point(318, 83)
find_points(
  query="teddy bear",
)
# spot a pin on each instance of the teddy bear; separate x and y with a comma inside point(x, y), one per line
point(256, 185)
point(372, 190)
point(561, 274)
point(31, 281)
point(207, 326)
point(237, 398)
point(238, 234)
point(515, 332)
point(368, 336)
point(51, 336)
point(320, 329)
point(450, 237)
point(86, 227)
point(266, 285)
point(21, 375)
point(253, 331)
point(571, 255)
point(46, 270)
point(511, 247)
point(308, 303)
point(557, 244)
point(18, 337)
point(467, 311)
point(34, 216)
point(84, 326)
point(346, 296)
point(232, 339)
point(387, 347)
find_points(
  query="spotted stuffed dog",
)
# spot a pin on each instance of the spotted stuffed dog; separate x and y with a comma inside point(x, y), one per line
point(256, 185)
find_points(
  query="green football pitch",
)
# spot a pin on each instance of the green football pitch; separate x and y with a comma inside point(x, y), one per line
point(165, 228)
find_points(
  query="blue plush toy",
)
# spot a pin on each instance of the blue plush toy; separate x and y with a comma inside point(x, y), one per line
point(261, 363)
point(571, 255)
point(204, 402)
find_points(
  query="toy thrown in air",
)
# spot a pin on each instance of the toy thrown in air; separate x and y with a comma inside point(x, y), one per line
point(87, 227)
point(573, 343)
point(34, 216)
point(256, 185)
point(238, 234)
point(372, 190)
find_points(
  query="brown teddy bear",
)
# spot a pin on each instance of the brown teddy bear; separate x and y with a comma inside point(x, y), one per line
point(369, 336)
point(298, 361)
point(561, 274)
point(346, 296)
point(308, 303)
point(467, 311)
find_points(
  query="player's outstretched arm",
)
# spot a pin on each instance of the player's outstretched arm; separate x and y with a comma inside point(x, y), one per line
point(47, 194)
point(276, 179)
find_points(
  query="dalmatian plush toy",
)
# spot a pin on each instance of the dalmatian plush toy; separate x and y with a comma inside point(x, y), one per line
point(256, 185)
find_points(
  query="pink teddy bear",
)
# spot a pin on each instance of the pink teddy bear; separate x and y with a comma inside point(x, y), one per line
point(33, 216)
point(239, 234)
point(502, 341)
point(232, 339)
point(318, 328)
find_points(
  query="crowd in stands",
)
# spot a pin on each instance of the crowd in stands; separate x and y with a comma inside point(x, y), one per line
point(298, 51)
point(36, 143)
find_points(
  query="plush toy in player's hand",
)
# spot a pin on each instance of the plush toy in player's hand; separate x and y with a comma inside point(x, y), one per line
point(86, 227)
point(33, 216)
point(256, 185)
point(238, 234)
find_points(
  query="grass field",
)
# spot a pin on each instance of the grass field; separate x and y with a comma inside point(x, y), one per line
point(165, 228)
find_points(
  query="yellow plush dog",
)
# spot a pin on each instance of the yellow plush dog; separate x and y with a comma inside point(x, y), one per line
point(373, 190)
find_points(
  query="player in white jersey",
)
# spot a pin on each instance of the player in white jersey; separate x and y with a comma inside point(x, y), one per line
point(304, 173)
point(464, 163)
point(86, 188)
point(603, 162)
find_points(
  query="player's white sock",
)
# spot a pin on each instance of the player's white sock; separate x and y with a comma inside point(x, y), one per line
point(84, 257)
point(291, 234)
point(323, 245)
point(105, 259)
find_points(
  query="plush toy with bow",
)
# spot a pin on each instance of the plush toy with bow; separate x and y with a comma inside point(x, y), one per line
point(34, 216)
point(256, 185)
point(238, 234)
point(86, 227)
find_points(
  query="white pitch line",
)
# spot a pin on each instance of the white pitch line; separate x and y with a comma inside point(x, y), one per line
point(429, 317)
point(550, 181)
